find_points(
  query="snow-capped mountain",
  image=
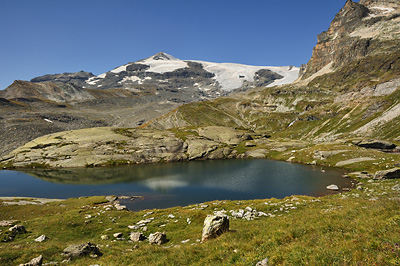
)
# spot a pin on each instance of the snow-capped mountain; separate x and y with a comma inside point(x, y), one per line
point(164, 72)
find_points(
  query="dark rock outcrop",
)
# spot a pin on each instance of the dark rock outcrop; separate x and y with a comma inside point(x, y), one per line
point(376, 144)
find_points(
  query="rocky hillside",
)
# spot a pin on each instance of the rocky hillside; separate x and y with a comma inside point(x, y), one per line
point(367, 28)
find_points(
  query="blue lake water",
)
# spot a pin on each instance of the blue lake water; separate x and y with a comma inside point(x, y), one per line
point(176, 184)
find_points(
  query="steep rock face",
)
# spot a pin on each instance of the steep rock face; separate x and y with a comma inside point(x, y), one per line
point(355, 32)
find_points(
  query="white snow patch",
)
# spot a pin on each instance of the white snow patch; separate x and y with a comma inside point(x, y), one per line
point(119, 69)
point(102, 75)
point(130, 78)
point(231, 76)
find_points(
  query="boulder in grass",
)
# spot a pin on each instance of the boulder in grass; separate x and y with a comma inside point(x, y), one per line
point(137, 236)
point(34, 262)
point(81, 250)
point(376, 144)
point(214, 225)
point(388, 174)
point(158, 238)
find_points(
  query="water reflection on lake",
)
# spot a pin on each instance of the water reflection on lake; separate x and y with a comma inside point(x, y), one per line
point(173, 184)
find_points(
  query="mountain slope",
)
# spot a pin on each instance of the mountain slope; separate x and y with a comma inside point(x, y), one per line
point(357, 96)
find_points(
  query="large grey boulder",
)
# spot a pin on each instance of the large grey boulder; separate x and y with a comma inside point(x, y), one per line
point(376, 144)
point(80, 250)
point(388, 174)
point(34, 262)
point(214, 225)
point(157, 238)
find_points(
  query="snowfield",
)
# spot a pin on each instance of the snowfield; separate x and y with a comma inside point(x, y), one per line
point(229, 76)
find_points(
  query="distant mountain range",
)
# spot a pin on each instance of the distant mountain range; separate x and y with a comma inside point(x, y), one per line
point(164, 72)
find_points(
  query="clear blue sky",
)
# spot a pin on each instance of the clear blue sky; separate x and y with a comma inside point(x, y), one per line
point(40, 37)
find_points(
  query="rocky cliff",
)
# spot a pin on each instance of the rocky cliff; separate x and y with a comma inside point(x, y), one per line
point(358, 30)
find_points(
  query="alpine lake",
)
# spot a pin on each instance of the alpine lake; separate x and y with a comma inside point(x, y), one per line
point(163, 185)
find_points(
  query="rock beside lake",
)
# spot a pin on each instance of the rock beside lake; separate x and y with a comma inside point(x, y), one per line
point(108, 146)
point(332, 187)
point(214, 225)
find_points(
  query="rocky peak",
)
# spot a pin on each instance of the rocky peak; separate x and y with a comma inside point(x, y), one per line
point(163, 56)
point(355, 32)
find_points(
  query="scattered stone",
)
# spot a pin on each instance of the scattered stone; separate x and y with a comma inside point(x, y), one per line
point(133, 227)
point(171, 216)
point(396, 187)
point(332, 187)
point(34, 262)
point(185, 241)
point(388, 174)
point(137, 236)
point(120, 207)
point(104, 237)
point(158, 238)
point(17, 229)
point(8, 222)
point(144, 229)
point(263, 262)
point(41, 238)
point(79, 250)
point(214, 226)
point(118, 235)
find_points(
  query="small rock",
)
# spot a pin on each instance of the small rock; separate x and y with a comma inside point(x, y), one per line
point(171, 216)
point(185, 241)
point(214, 226)
point(332, 187)
point(34, 262)
point(17, 229)
point(264, 262)
point(118, 235)
point(144, 229)
point(111, 198)
point(396, 187)
point(158, 238)
point(104, 237)
point(137, 236)
point(120, 207)
point(41, 238)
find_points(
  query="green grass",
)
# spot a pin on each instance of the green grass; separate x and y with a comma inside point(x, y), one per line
point(346, 229)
